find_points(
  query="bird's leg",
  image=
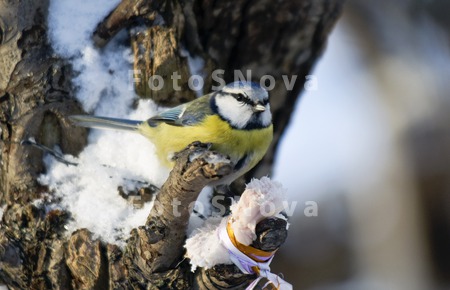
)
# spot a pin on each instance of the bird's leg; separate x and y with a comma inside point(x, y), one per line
point(196, 148)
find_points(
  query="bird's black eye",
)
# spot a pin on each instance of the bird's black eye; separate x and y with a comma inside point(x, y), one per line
point(240, 97)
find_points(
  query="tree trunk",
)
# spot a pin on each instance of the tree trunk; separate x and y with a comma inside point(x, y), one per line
point(267, 37)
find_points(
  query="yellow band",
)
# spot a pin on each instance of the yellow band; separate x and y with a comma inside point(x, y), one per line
point(250, 251)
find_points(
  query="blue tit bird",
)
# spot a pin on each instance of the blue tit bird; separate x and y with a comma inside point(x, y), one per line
point(236, 120)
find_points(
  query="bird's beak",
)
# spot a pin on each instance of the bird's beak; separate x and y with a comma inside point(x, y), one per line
point(259, 108)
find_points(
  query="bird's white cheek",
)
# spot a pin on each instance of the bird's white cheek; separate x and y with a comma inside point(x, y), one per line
point(240, 118)
point(266, 117)
point(237, 115)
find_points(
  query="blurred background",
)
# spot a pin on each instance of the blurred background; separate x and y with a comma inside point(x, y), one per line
point(371, 146)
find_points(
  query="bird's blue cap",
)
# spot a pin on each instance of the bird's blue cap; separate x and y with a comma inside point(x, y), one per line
point(243, 84)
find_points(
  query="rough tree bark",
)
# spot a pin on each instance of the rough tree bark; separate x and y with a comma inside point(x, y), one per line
point(267, 37)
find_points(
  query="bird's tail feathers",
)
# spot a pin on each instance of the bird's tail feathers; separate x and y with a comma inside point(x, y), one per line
point(104, 122)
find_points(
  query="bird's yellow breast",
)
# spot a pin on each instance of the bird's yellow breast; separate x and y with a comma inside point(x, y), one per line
point(235, 143)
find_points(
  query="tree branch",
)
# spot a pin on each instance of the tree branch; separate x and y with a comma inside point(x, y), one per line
point(159, 244)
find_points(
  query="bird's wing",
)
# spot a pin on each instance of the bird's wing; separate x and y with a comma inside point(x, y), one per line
point(184, 115)
point(171, 116)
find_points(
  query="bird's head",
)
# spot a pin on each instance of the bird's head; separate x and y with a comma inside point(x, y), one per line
point(244, 105)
